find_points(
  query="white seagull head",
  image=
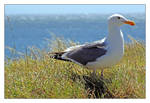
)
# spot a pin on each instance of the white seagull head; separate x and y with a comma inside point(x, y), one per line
point(119, 20)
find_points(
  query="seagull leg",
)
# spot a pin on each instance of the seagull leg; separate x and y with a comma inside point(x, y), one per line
point(102, 73)
point(94, 73)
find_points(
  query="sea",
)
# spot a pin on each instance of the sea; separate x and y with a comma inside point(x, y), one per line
point(23, 31)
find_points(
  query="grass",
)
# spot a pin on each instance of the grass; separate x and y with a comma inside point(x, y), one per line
point(35, 75)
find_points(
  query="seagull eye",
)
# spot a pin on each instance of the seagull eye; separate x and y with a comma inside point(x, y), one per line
point(118, 17)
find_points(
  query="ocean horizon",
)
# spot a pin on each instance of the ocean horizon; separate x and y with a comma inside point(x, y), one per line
point(23, 31)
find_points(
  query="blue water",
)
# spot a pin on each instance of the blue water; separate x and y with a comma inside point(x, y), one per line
point(22, 31)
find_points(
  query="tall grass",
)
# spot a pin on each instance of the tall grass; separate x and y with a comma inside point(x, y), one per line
point(35, 75)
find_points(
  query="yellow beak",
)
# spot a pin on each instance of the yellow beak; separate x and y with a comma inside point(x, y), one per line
point(129, 22)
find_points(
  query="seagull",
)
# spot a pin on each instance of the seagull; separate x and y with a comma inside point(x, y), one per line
point(99, 54)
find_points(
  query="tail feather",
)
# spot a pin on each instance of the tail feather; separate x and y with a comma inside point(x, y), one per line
point(57, 55)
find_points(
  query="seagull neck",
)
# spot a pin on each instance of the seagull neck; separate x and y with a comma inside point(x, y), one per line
point(114, 32)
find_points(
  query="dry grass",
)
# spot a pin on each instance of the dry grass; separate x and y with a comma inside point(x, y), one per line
point(35, 75)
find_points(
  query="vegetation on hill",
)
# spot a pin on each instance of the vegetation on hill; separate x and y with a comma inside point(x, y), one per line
point(35, 75)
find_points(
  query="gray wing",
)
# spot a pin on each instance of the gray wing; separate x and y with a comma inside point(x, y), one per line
point(87, 53)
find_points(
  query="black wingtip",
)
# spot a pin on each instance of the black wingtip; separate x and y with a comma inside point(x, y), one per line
point(58, 56)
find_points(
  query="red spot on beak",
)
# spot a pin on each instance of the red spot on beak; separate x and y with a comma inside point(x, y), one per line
point(129, 22)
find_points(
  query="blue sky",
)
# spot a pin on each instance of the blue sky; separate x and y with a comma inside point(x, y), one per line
point(72, 9)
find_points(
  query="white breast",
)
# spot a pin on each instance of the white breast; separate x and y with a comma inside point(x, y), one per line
point(115, 51)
